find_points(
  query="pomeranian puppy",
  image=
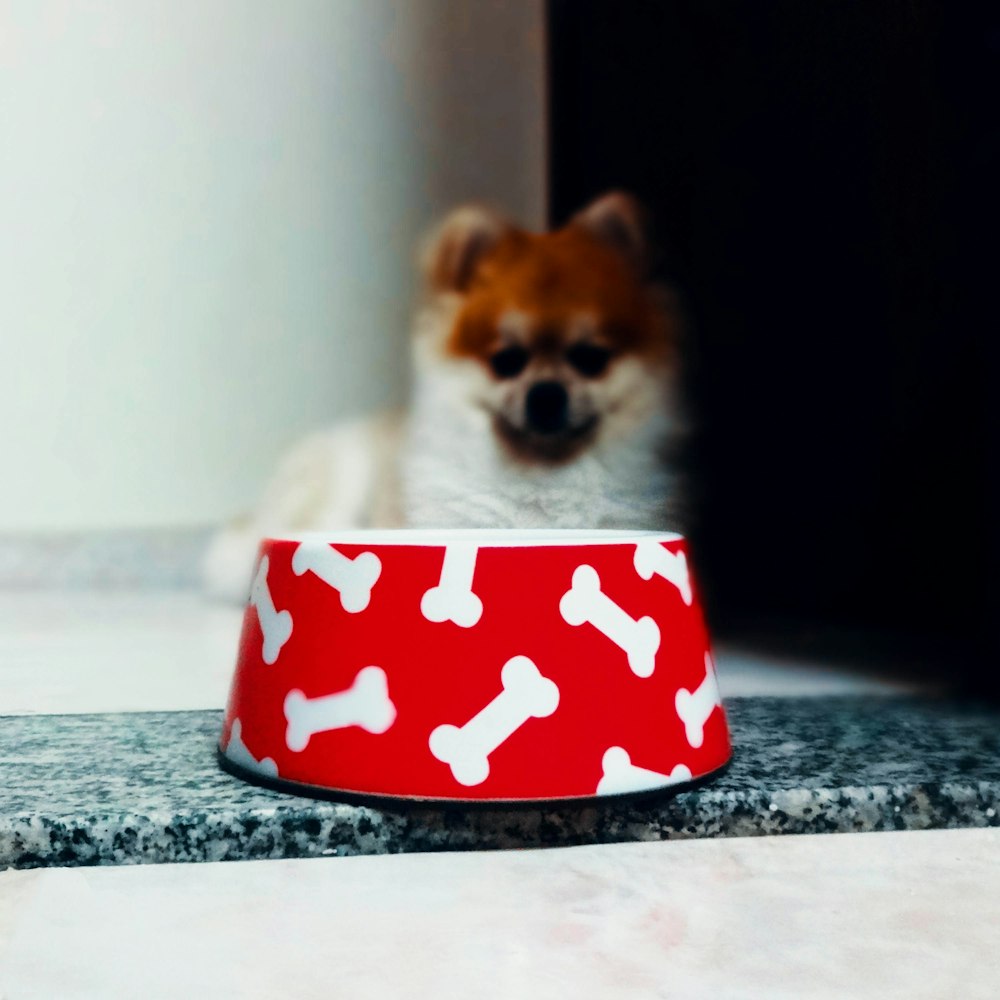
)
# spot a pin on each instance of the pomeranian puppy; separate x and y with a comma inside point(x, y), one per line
point(545, 396)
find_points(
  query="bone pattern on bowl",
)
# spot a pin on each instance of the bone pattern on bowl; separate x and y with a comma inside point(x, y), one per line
point(379, 675)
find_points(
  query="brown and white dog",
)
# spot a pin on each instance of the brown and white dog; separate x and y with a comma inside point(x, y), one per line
point(544, 397)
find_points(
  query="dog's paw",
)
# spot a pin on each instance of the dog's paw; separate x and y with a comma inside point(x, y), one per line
point(227, 567)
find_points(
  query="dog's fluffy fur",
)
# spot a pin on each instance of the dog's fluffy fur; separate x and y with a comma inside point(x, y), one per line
point(505, 312)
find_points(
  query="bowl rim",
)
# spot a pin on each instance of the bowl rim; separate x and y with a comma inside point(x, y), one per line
point(498, 538)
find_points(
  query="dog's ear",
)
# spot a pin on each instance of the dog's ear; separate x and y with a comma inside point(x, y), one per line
point(454, 250)
point(618, 220)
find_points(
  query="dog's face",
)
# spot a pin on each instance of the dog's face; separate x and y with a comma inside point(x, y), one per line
point(558, 336)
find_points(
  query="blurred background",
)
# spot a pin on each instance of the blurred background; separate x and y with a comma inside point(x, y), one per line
point(823, 180)
point(208, 228)
point(207, 234)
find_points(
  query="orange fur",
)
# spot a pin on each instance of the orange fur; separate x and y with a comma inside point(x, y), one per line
point(553, 278)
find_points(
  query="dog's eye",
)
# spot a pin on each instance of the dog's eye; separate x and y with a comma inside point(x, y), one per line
point(588, 359)
point(509, 362)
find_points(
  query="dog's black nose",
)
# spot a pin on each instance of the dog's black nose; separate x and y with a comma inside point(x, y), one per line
point(547, 407)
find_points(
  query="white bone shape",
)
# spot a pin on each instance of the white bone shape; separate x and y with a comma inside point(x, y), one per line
point(275, 625)
point(365, 703)
point(236, 750)
point(526, 694)
point(651, 557)
point(695, 708)
point(585, 602)
point(353, 578)
point(621, 775)
point(452, 599)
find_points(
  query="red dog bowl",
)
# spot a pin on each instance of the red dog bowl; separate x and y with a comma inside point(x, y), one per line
point(474, 665)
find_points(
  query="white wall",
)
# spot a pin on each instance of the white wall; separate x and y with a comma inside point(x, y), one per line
point(207, 218)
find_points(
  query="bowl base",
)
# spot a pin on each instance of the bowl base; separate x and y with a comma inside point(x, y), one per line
point(402, 803)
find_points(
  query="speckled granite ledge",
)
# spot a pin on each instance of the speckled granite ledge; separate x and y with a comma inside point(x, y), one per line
point(137, 788)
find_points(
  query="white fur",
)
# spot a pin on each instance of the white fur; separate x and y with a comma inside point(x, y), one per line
point(441, 465)
point(342, 478)
point(456, 474)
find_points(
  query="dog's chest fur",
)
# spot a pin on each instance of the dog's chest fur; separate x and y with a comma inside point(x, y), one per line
point(454, 472)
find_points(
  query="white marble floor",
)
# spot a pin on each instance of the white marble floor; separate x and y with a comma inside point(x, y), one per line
point(105, 651)
point(886, 915)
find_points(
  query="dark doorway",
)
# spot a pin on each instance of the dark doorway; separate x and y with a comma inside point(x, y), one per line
point(819, 175)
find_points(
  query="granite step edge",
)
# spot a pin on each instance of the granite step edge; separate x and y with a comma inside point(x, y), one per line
point(323, 829)
point(145, 788)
